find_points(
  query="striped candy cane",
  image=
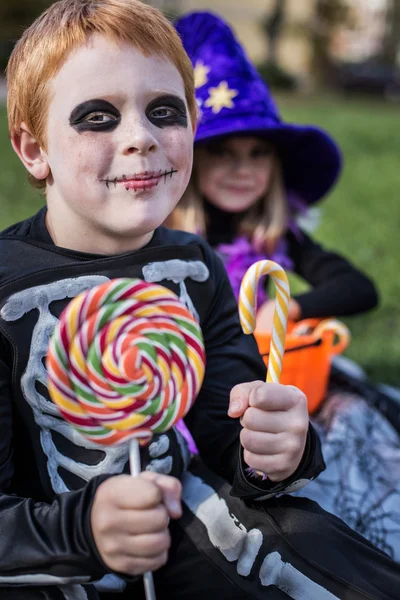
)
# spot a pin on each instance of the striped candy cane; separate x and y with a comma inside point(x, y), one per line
point(247, 310)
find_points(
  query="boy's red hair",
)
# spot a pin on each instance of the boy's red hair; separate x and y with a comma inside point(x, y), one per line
point(67, 24)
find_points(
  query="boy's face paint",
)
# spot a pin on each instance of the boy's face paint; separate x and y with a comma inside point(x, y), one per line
point(235, 172)
point(119, 146)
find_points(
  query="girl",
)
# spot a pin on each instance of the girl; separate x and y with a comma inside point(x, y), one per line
point(253, 175)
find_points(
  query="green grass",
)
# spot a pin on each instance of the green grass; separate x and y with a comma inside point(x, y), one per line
point(360, 219)
point(18, 199)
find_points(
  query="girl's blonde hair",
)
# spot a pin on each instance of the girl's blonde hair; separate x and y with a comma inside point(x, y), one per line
point(45, 45)
point(263, 224)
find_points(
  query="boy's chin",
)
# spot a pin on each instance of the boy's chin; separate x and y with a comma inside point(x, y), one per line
point(147, 217)
point(138, 217)
point(147, 225)
point(137, 228)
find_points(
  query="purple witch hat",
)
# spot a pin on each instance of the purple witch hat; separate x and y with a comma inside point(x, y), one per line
point(233, 99)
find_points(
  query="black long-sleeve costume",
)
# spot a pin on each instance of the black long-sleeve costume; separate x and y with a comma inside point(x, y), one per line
point(337, 287)
point(48, 474)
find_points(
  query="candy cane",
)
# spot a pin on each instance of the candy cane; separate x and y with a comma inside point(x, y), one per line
point(247, 310)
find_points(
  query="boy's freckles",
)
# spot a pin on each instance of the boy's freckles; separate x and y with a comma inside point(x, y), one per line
point(117, 115)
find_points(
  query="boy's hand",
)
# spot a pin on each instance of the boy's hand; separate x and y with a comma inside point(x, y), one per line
point(129, 521)
point(274, 418)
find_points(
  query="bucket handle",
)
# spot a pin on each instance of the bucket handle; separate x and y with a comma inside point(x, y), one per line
point(340, 330)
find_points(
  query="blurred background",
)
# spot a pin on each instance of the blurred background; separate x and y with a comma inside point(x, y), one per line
point(333, 63)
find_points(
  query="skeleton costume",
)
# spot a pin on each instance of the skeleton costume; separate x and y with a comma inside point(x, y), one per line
point(236, 538)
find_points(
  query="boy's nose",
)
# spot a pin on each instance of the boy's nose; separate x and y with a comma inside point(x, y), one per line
point(139, 140)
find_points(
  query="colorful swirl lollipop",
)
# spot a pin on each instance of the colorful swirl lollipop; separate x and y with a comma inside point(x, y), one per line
point(126, 360)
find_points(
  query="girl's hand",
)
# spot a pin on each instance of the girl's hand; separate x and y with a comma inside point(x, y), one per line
point(275, 421)
point(265, 314)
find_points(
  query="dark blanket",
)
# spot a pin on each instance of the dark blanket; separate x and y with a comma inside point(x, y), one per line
point(359, 427)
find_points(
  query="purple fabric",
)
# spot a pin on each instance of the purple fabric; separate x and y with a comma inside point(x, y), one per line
point(181, 427)
point(240, 255)
point(310, 158)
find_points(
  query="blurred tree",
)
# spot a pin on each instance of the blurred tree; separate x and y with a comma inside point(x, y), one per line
point(329, 14)
point(391, 42)
point(15, 15)
point(270, 70)
point(273, 26)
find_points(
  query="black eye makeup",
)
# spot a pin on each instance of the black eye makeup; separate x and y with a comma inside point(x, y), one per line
point(167, 111)
point(95, 115)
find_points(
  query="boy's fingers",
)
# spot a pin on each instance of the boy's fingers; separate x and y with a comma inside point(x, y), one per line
point(239, 397)
point(276, 421)
point(171, 489)
point(276, 397)
point(122, 491)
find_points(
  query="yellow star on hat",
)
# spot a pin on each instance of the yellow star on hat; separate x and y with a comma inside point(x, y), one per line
point(220, 97)
point(200, 74)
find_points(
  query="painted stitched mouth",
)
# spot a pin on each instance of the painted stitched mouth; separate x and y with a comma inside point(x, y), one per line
point(152, 177)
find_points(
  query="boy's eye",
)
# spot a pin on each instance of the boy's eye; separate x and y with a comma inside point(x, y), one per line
point(168, 110)
point(98, 117)
point(94, 115)
point(163, 112)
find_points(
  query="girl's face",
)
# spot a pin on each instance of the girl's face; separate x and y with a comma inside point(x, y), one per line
point(119, 146)
point(235, 172)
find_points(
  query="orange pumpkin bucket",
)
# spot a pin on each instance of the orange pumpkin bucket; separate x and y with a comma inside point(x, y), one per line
point(309, 348)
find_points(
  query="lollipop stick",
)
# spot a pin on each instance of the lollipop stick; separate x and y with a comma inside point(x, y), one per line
point(149, 586)
point(134, 458)
point(134, 463)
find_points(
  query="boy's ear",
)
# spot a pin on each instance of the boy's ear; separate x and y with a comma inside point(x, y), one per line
point(31, 153)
